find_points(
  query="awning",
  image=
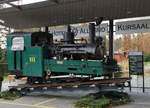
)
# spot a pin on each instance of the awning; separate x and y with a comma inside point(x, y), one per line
point(51, 13)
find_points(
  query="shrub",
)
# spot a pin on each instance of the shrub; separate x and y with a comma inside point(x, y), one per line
point(3, 69)
point(103, 99)
point(10, 95)
point(146, 57)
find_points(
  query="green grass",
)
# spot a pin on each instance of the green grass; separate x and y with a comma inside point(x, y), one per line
point(103, 100)
point(146, 63)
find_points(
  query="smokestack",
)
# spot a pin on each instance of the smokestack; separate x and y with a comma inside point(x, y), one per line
point(92, 33)
point(69, 36)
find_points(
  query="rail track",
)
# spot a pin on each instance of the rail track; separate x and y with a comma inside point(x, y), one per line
point(72, 84)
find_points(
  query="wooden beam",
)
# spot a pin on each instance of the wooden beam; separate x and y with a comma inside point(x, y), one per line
point(15, 6)
point(53, 1)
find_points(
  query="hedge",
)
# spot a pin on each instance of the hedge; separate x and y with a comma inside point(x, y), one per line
point(146, 57)
point(3, 69)
point(103, 99)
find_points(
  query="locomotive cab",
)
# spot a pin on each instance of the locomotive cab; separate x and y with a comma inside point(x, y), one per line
point(25, 53)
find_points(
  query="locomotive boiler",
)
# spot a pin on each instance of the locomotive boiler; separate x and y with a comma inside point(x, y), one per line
point(36, 56)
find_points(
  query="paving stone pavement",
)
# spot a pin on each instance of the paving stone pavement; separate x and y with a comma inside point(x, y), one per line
point(141, 100)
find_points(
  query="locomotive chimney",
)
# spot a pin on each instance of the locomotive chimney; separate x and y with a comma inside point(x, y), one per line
point(92, 33)
point(69, 36)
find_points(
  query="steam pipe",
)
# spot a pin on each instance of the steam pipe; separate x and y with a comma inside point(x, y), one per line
point(46, 29)
point(111, 33)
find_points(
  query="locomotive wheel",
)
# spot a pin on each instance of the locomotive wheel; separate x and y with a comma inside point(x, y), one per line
point(31, 80)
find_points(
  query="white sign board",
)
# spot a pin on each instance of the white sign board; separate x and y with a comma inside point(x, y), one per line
point(129, 27)
point(125, 27)
point(80, 31)
point(17, 44)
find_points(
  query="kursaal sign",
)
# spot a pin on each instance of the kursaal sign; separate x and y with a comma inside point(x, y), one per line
point(125, 27)
point(129, 27)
